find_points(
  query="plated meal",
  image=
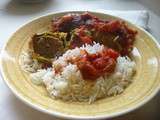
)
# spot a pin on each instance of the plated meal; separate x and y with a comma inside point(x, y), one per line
point(82, 65)
point(81, 58)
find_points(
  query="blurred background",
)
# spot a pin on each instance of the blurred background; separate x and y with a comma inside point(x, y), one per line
point(14, 13)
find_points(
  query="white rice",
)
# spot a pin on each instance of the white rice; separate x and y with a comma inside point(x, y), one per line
point(69, 84)
point(27, 63)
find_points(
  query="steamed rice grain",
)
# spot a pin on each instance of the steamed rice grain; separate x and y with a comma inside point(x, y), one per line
point(69, 85)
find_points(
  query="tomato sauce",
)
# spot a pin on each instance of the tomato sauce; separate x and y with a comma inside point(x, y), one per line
point(93, 66)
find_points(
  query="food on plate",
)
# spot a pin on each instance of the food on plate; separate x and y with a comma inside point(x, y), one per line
point(86, 28)
point(82, 58)
point(48, 44)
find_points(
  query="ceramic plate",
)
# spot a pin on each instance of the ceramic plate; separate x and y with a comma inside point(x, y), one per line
point(146, 82)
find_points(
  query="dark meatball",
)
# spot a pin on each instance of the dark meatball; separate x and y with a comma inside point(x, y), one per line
point(46, 45)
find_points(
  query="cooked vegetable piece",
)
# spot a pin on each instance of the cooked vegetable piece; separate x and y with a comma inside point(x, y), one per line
point(41, 58)
point(47, 45)
point(80, 36)
point(45, 62)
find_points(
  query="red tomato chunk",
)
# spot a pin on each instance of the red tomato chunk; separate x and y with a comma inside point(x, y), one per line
point(92, 66)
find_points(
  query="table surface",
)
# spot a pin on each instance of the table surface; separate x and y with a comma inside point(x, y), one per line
point(13, 14)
